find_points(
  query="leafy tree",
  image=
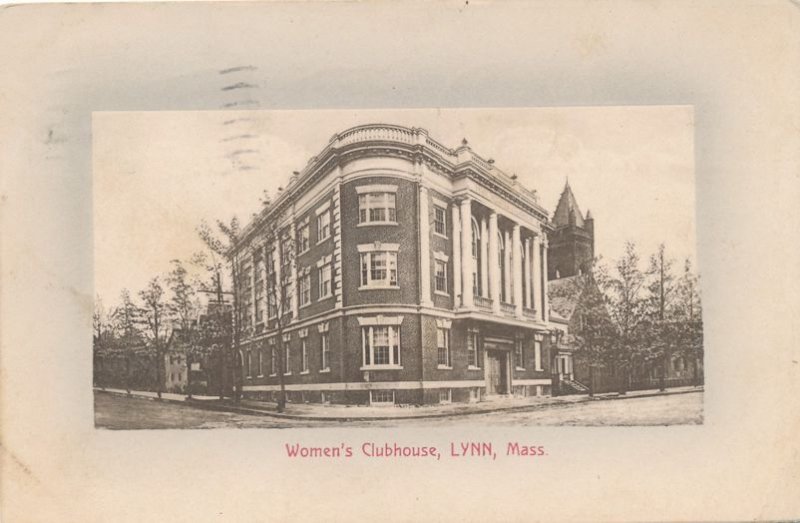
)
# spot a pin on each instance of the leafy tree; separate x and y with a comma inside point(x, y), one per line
point(594, 339)
point(627, 308)
point(183, 308)
point(660, 336)
point(126, 334)
point(153, 314)
point(688, 314)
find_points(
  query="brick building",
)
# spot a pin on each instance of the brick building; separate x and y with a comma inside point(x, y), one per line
point(418, 276)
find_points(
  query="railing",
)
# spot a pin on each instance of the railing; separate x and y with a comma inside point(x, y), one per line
point(483, 303)
point(508, 308)
point(529, 313)
point(370, 133)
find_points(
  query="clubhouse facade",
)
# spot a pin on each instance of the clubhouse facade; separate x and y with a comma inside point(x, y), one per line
point(417, 273)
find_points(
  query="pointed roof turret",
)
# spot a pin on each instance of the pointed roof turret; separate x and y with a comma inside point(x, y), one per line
point(567, 209)
point(589, 214)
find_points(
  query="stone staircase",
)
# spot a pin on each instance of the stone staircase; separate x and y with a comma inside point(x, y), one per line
point(573, 387)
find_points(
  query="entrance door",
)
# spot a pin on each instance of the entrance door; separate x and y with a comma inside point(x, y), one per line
point(496, 373)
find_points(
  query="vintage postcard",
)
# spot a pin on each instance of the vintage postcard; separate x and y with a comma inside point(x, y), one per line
point(311, 267)
point(348, 261)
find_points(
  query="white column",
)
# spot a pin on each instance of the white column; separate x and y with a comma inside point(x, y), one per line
point(424, 249)
point(526, 271)
point(456, 256)
point(546, 299)
point(484, 258)
point(494, 266)
point(466, 252)
point(295, 286)
point(507, 265)
point(516, 253)
point(537, 275)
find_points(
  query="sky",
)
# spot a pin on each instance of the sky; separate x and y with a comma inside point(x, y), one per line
point(158, 174)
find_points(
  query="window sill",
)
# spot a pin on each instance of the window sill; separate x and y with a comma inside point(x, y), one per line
point(305, 305)
point(304, 252)
point(444, 367)
point(305, 372)
point(372, 224)
point(381, 367)
point(326, 297)
point(378, 287)
point(322, 240)
point(260, 376)
point(287, 373)
point(440, 235)
point(519, 368)
point(442, 293)
point(272, 376)
point(473, 367)
point(325, 370)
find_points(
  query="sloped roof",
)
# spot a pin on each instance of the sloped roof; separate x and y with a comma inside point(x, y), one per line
point(564, 294)
point(567, 204)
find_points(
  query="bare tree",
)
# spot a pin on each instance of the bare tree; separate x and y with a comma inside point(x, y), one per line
point(281, 264)
point(225, 249)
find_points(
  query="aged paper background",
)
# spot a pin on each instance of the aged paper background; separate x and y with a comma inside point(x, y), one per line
point(738, 65)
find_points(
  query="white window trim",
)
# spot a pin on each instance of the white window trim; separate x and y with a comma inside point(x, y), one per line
point(300, 277)
point(330, 228)
point(362, 189)
point(372, 189)
point(441, 205)
point(300, 228)
point(329, 294)
point(445, 326)
point(394, 323)
point(378, 247)
point(323, 208)
point(441, 257)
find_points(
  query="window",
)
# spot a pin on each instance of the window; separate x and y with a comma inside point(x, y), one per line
point(326, 352)
point(379, 269)
point(303, 355)
point(286, 298)
point(472, 349)
point(519, 354)
point(305, 289)
point(381, 345)
point(440, 220)
point(377, 207)
point(247, 364)
point(304, 238)
point(260, 362)
point(324, 280)
point(443, 347)
point(273, 366)
point(323, 225)
point(286, 254)
point(440, 276)
point(286, 357)
point(445, 395)
point(537, 354)
point(381, 397)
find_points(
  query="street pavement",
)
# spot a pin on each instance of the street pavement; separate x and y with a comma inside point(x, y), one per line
point(115, 411)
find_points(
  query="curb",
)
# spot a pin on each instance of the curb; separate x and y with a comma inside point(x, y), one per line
point(207, 405)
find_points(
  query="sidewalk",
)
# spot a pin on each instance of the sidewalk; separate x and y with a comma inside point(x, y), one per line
point(318, 412)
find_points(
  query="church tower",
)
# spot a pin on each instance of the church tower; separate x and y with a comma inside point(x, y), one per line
point(571, 244)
